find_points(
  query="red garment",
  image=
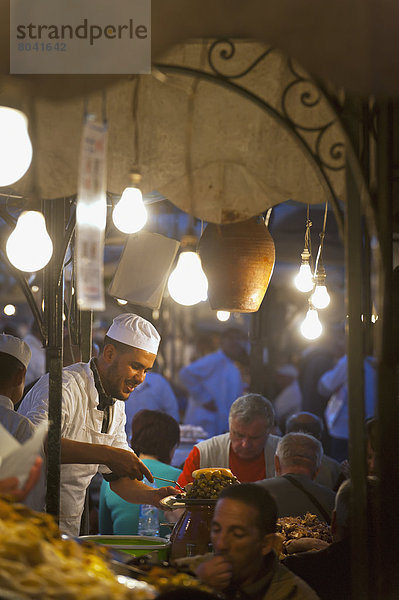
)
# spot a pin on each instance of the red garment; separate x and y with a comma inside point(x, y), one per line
point(245, 471)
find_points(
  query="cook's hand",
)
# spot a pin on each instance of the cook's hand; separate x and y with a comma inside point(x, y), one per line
point(215, 572)
point(126, 464)
point(10, 486)
point(159, 493)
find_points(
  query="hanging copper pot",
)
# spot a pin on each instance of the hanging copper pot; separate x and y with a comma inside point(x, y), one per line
point(238, 260)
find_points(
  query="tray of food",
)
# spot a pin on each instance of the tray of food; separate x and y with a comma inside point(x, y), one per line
point(37, 562)
point(205, 488)
point(298, 534)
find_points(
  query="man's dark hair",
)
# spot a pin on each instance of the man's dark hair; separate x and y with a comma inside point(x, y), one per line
point(259, 498)
point(120, 346)
point(9, 367)
point(155, 433)
point(305, 422)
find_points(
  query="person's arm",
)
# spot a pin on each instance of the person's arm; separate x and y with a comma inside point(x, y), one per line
point(192, 463)
point(333, 379)
point(123, 463)
point(139, 493)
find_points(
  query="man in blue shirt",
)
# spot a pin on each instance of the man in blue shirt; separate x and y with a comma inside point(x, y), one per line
point(213, 382)
point(155, 393)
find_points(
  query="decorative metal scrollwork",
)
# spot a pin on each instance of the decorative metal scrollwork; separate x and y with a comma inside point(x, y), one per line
point(329, 152)
point(302, 108)
point(228, 53)
point(301, 104)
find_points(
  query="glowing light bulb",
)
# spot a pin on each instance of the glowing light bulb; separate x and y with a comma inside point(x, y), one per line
point(130, 214)
point(29, 247)
point(311, 327)
point(304, 280)
point(223, 315)
point(121, 302)
point(188, 284)
point(9, 310)
point(15, 147)
point(320, 297)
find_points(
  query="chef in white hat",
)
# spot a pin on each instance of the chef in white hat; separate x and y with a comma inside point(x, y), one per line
point(93, 418)
point(14, 359)
point(15, 355)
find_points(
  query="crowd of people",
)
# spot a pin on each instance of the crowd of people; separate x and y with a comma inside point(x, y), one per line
point(280, 462)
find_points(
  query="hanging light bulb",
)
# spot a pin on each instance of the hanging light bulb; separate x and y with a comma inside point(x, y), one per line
point(304, 280)
point(130, 214)
point(29, 247)
point(311, 327)
point(121, 301)
point(320, 297)
point(187, 283)
point(9, 310)
point(16, 147)
point(223, 315)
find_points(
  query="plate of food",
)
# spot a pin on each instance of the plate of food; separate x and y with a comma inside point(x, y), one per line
point(37, 562)
point(205, 488)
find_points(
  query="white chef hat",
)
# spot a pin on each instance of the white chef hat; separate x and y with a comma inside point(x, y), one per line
point(135, 331)
point(16, 347)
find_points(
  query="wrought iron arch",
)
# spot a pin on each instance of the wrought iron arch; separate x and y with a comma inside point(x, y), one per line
point(310, 96)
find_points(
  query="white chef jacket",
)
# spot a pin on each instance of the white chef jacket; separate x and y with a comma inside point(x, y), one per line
point(37, 364)
point(22, 429)
point(80, 421)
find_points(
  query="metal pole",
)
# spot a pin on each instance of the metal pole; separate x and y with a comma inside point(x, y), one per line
point(388, 410)
point(86, 334)
point(53, 312)
point(357, 450)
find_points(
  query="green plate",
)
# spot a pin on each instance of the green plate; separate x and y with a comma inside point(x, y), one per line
point(136, 545)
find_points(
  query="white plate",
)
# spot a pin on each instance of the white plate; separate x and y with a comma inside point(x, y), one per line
point(172, 502)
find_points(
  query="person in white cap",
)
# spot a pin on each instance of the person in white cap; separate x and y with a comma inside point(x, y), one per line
point(15, 355)
point(93, 418)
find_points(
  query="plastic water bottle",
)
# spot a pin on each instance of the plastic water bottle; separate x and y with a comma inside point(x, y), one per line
point(148, 517)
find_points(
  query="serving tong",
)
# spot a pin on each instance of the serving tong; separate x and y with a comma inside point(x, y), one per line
point(170, 481)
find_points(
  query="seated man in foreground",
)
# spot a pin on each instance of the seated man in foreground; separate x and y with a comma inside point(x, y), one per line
point(247, 449)
point(245, 565)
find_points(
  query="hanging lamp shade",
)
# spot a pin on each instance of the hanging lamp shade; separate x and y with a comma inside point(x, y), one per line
point(238, 260)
